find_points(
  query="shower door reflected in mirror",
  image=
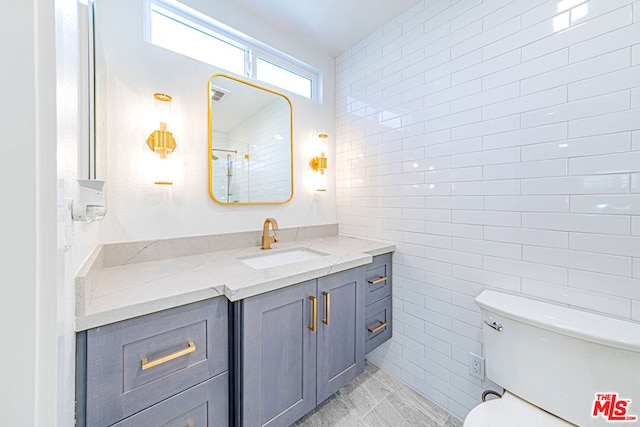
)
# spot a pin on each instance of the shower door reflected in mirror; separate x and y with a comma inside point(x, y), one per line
point(250, 143)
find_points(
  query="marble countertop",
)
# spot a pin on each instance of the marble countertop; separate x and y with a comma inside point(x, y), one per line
point(107, 294)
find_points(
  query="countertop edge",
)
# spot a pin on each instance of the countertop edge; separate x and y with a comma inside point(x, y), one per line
point(130, 311)
point(85, 320)
point(273, 285)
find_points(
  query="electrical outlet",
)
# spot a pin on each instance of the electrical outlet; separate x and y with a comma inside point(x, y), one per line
point(476, 366)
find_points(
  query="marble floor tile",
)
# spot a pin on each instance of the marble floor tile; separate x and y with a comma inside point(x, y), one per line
point(363, 394)
point(385, 415)
point(377, 399)
point(332, 412)
point(453, 422)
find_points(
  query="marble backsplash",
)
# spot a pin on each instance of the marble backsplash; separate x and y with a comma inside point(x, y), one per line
point(154, 250)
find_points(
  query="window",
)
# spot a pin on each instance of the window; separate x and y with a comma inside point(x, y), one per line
point(171, 33)
point(282, 77)
point(174, 26)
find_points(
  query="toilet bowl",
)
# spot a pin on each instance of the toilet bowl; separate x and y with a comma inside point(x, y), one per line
point(561, 366)
point(511, 411)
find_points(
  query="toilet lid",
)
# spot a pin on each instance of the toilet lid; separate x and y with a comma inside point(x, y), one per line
point(511, 411)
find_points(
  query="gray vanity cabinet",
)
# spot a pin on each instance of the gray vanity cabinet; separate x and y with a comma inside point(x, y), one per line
point(278, 356)
point(340, 330)
point(205, 404)
point(165, 368)
point(378, 302)
point(298, 345)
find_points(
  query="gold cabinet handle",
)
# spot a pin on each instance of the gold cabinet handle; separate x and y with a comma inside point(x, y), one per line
point(314, 313)
point(327, 308)
point(376, 281)
point(381, 326)
point(164, 359)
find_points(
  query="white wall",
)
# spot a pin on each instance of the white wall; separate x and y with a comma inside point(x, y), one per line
point(28, 249)
point(76, 240)
point(137, 209)
point(497, 143)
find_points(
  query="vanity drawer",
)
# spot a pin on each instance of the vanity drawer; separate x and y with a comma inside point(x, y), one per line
point(205, 405)
point(134, 364)
point(378, 279)
point(377, 323)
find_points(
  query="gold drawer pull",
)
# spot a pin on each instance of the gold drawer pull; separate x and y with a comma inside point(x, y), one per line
point(327, 308)
point(381, 326)
point(314, 313)
point(164, 359)
point(380, 280)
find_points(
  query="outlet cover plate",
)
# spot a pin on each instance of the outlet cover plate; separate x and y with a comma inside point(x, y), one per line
point(476, 366)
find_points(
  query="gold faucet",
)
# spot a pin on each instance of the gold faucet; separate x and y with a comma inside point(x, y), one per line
point(267, 240)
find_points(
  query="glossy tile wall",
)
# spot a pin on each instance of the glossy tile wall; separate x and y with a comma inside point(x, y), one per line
point(256, 138)
point(497, 144)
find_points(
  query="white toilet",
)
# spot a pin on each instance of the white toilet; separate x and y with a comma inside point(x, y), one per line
point(552, 362)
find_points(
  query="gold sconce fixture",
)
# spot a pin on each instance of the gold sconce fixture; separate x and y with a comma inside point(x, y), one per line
point(319, 163)
point(161, 141)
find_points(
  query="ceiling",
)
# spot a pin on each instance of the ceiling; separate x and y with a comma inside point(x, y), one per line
point(331, 25)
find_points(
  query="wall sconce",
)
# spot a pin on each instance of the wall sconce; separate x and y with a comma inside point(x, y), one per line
point(161, 140)
point(319, 163)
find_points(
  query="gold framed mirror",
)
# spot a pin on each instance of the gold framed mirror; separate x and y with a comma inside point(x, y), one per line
point(250, 143)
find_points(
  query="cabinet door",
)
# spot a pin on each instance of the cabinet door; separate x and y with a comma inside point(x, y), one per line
point(139, 362)
point(377, 323)
point(378, 276)
point(340, 331)
point(278, 356)
point(204, 405)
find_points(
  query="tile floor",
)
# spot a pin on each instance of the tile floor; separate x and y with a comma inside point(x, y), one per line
point(376, 399)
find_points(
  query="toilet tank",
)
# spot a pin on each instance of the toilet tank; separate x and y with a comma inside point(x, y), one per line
point(560, 359)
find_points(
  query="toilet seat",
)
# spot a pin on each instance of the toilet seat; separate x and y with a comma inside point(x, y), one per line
point(510, 411)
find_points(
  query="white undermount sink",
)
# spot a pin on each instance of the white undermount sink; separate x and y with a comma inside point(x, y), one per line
point(274, 258)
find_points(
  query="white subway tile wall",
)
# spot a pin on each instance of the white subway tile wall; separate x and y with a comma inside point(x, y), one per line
point(259, 168)
point(497, 144)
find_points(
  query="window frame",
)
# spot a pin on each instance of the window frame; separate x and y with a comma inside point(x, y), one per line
point(254, 49)
point(290, 67)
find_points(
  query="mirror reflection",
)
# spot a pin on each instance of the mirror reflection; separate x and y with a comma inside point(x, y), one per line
point(250, 143)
